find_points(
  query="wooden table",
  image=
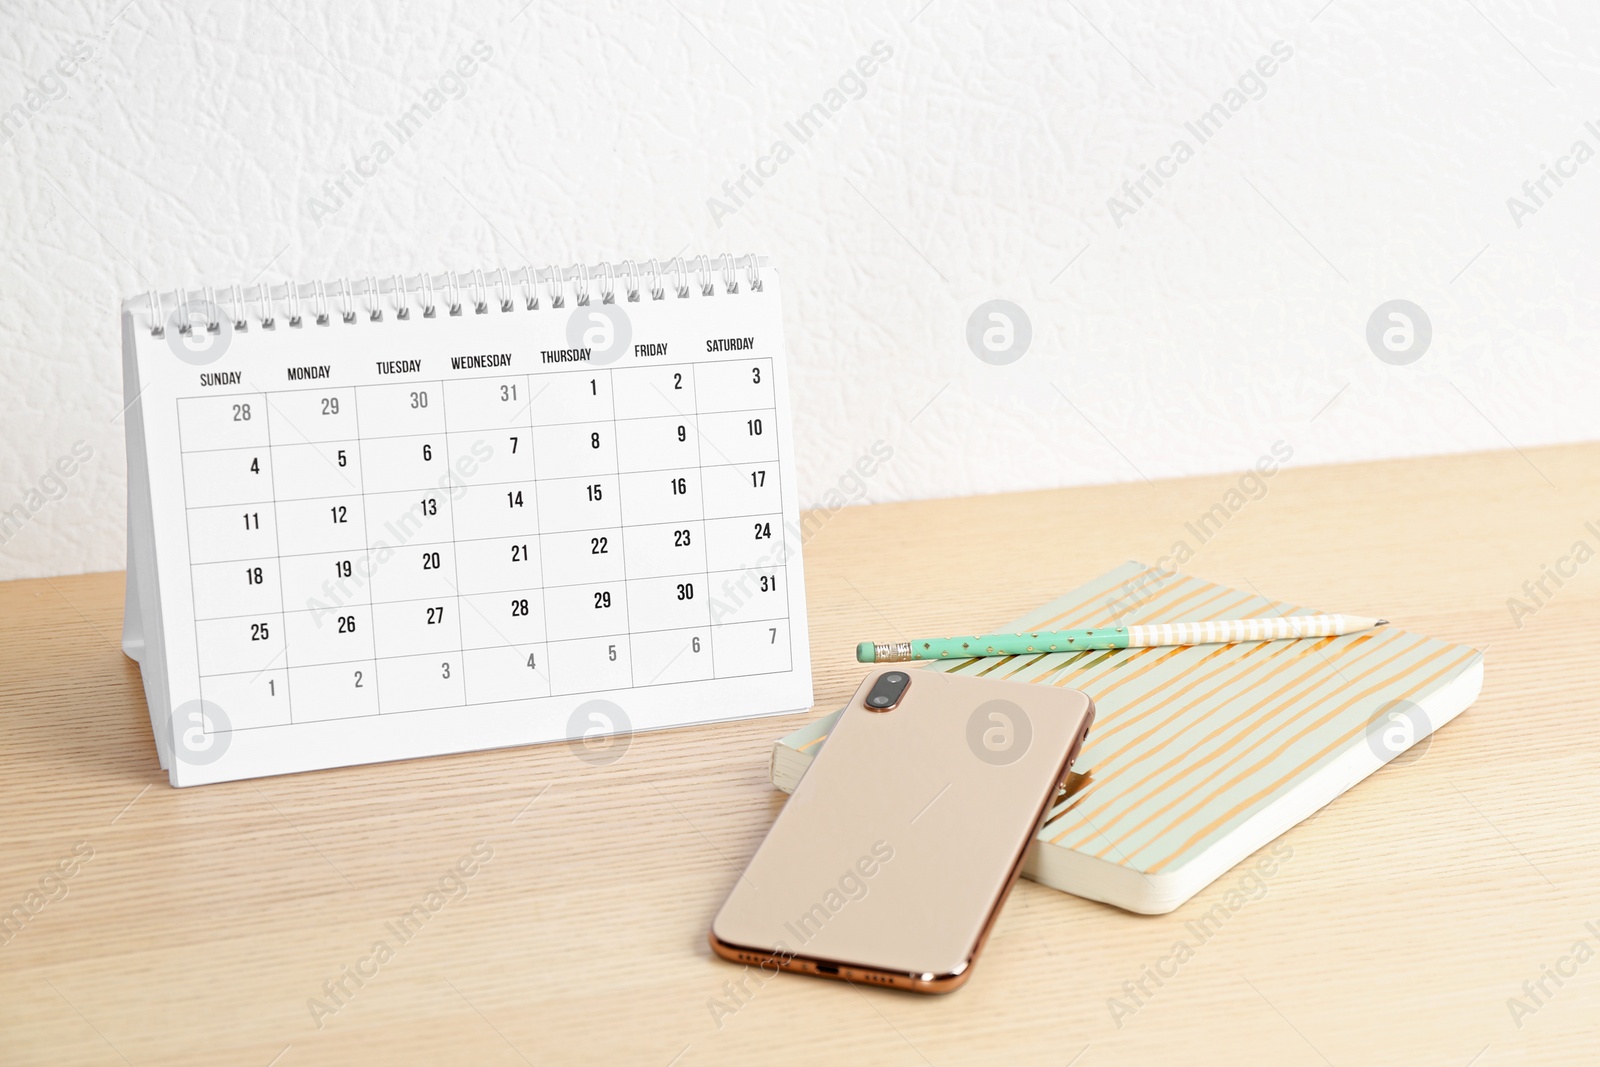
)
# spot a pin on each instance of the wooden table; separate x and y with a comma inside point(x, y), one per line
point(197, 926)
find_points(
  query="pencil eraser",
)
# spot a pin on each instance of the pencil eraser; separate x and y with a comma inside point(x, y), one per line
point(866, 652)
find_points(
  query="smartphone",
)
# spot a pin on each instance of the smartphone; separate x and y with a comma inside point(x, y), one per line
point(890, 862)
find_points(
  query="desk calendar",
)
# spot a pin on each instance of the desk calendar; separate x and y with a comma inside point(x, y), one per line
point(378, 519)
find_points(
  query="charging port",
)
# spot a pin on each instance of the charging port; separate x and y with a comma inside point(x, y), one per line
point(827, 968)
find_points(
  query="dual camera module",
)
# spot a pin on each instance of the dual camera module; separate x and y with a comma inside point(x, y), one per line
point(887, 690)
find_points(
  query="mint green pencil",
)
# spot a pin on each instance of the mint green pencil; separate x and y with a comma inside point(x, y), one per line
point(1214, 632)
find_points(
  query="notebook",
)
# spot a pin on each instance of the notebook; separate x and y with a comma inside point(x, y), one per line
point(378, 518)
point(1201, 755)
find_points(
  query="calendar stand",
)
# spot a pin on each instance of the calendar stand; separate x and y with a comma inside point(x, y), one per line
point(414, 533)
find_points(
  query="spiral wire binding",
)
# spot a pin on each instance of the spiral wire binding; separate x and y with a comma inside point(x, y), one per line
point(430, 307)
point(530, 288)
point(264, 297)
point(480, 293)
point(580, 284)
point(503, 289)
point(347, 301)
point(212, 325)
point(453, 293)
point(234, 303)
point(319, 303)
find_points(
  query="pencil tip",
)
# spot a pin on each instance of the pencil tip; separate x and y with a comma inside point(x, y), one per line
point(1381, 622)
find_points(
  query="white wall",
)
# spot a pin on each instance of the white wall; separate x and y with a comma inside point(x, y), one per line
point(1226, 313)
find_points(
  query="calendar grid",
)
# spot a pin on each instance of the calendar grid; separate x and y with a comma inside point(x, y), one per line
point(538, 541)
point(428, 600)
point(372, 617)
point(498, 700)
point(622, 530)
point(711, 631)
point(669, 608)
point(551, 425)
point(472, 540)
point(183, 481)
point(783, 532)
point(277, 545)
point(455, 566)
point(472, 648)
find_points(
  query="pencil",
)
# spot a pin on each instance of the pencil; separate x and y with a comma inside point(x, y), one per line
point(1213, 632)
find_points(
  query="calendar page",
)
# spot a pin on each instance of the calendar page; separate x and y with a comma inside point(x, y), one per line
point(378, 537)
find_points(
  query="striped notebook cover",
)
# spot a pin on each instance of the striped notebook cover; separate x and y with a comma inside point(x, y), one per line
point(1201, 755)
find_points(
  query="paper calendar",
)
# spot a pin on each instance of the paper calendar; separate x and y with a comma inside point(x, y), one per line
point(377, 519)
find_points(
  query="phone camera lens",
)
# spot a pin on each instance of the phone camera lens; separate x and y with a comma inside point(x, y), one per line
point(886, 692)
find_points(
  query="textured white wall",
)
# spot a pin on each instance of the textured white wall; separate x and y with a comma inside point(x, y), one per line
point(1227, 312)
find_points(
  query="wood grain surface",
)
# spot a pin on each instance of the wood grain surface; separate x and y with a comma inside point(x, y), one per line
point(205, 926)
